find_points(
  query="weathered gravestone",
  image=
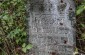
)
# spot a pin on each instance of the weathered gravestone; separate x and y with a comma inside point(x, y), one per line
point(51, 27)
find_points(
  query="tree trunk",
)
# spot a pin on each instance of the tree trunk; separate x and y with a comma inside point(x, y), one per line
point(51, 27)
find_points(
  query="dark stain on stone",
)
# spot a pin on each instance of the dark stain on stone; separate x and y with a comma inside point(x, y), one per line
point(65, 41)
point(65, 33)
point(61, 23)
point(70, 8)
point(58, 19)
point(31, 7)
point(61, 1)
point(41, 8)
point(71, 15)
point(53, 53)
point(56, 43)
point(61, 6)
point(35, 19)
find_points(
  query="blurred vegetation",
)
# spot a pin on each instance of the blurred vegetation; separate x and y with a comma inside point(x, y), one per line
point(80, 17)
point(13, 36)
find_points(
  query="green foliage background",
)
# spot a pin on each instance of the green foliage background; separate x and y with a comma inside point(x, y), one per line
point(80, 26)
point(13, 27)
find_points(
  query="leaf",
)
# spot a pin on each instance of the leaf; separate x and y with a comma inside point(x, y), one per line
point(18, 40)
point(0, 4)
point(29, 46)
point(17, 54)
point(6, 27)
point(83, 25)
point(14, 32)
point(1, 32)
point(5, 17)
point(24, 50)
point(24, 33)
point(80, 9)
point(24, 45)
point(83, 36)
point(76, 50)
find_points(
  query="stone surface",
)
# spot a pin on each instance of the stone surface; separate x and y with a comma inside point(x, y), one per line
point(51, 27)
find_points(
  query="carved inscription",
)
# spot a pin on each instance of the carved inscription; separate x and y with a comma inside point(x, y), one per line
point(51, 27)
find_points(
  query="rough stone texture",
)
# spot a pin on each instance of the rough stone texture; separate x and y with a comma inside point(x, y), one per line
point(51, 27)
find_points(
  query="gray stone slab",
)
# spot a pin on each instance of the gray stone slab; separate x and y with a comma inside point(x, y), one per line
point(51, 27)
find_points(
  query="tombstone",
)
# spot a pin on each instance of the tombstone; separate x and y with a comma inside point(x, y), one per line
point(51, 27)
